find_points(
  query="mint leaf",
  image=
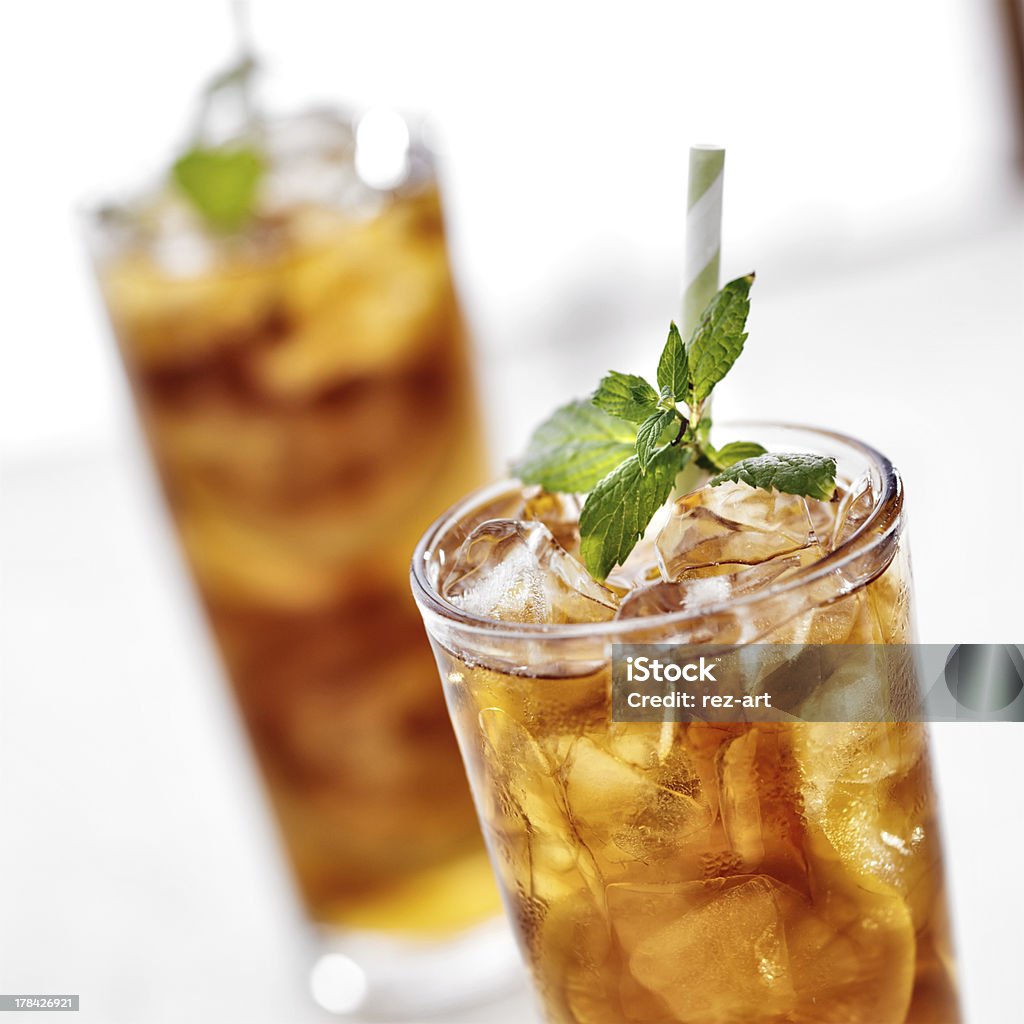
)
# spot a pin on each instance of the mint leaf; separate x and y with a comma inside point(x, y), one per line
point(649, 435)
point(574, 448)
point(627, 396)
point(733, 452)
point(618, 509)
point(718, 339)
point(220, 183)
point(813, 476)
point(673, 374)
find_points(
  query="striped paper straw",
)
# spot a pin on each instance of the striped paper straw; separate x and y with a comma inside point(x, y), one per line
point(703, 232)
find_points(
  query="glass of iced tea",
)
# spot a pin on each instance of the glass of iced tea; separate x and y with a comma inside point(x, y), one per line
point(304, 383)
point(695, 872)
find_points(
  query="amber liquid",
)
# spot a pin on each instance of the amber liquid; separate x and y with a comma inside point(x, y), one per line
point(714, 874)
point(309, 405)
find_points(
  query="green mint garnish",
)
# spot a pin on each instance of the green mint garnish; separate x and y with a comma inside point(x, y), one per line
point(729, 454)
point(627, 444)
point(654, 434)
point(626, 396)
point(221, 183)
point(575, 448)
point(618, 509)
point(718, 339)
point(673, 367)
point(812, 476)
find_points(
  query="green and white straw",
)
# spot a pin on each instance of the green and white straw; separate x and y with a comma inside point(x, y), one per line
point(703, 250)
point(703, 232)
point(700, 283)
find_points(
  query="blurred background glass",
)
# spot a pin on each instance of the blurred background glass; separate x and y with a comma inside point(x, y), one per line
point(302, 375)
point(872, 180)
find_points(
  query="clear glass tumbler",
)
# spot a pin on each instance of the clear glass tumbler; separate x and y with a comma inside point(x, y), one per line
point(704, 873)
point(306, 391)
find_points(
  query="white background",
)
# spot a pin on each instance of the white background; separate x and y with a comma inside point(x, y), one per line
point(870, 181)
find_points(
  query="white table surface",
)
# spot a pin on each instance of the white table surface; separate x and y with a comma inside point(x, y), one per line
point(137, 863)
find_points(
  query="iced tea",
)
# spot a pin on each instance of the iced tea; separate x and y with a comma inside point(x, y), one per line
point(307, 396)
point(695, 872)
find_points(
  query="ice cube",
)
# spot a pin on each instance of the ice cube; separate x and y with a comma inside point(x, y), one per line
point(858, 683)
point(641, 564)
point(697, 589)
point(868, 799)
point(854, 508)
point(529, 830)
point(573, 961)
point(732, 523)
point(740, 804)
point(639, 569)
point(560, 513)
point(505, 506)
point(853, 619)
point(711, 951)
point(828, 753)
point(663, 598)
point(516, 572)
point(852, 947)
point(752, 948)
point(633, 818)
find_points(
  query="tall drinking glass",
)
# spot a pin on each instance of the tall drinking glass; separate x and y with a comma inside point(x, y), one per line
point(306, 391)
point(696, 872)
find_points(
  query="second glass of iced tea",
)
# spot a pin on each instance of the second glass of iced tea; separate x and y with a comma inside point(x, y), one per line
point(700, 872)
point(305, 388)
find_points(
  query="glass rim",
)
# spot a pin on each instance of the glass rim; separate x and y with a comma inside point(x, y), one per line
point(865, 540)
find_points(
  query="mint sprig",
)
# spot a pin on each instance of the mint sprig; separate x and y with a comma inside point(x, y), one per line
point(628, 443)
point(222, 182)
